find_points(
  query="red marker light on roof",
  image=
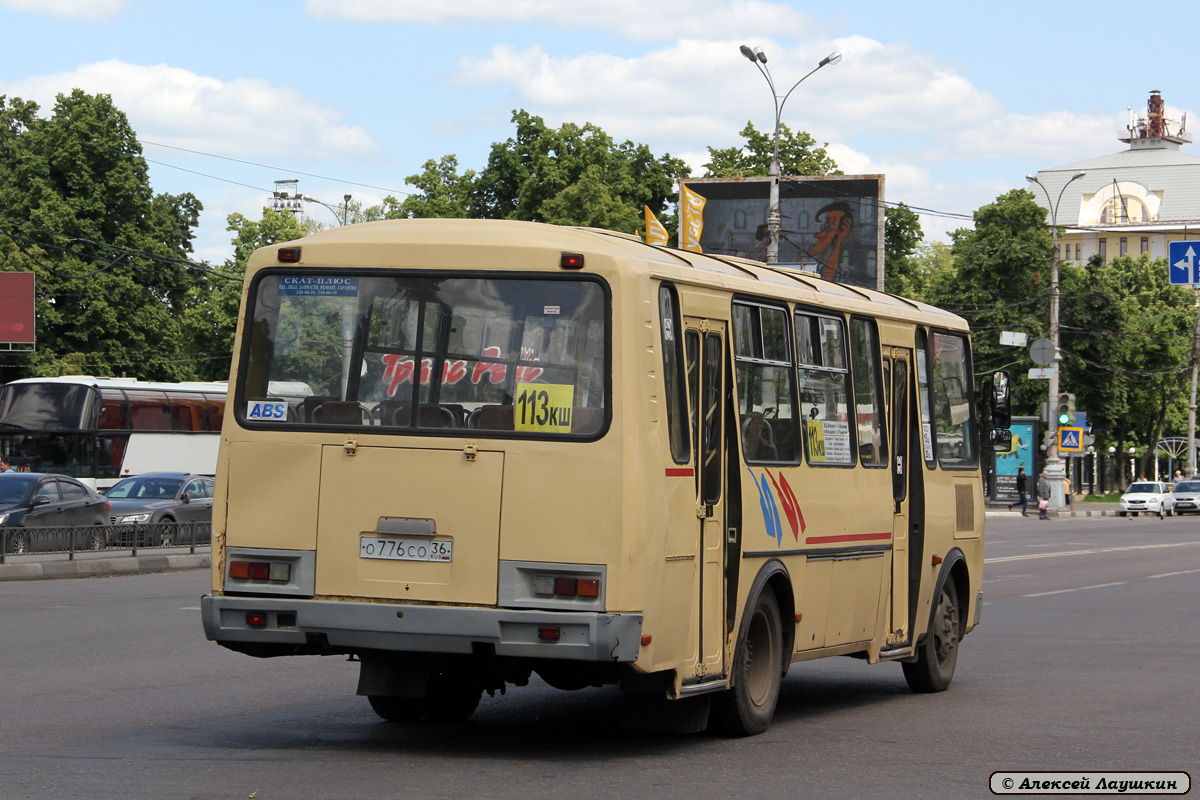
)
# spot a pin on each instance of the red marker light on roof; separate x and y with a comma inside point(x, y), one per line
point(289, 255)
point(570, 261)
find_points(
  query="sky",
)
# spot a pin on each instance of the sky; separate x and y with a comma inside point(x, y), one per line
point(954, 103)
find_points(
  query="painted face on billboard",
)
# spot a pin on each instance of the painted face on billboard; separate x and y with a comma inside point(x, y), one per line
point(836, 223)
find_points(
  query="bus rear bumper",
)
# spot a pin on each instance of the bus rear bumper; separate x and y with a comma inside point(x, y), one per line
point(288, 624)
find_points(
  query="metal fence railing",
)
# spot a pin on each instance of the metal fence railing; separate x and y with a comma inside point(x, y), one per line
point(92, 538)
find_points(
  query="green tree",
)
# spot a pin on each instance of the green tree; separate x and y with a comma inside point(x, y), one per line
point(798, 155)
point(1001, 281)
point(441, 192)
point(108, 254)
point(1127, 349)
point(902, 237)
point(210, 320)
point(544, 173)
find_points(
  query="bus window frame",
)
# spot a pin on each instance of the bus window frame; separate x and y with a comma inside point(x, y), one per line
point(753, 301)
point(922, 353)
point(243, 358)
point(818, 311)
point(880, 389)
point(678, 416)
point(972, 426)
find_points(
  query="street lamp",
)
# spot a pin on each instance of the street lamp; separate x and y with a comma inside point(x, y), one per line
point(1054, 465)
point(759, 59)
point(342, 216)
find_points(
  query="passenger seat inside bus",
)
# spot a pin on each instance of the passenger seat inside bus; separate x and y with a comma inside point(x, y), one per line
point(398, 413)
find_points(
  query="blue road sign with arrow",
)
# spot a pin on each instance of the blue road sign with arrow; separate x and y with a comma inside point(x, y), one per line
point(1184, 258)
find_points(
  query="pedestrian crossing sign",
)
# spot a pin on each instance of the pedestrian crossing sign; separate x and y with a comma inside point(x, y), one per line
point(1070, 440)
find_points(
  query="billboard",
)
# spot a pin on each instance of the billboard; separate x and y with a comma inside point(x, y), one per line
point(830, 225)
point(16, 311)
point(1024, 434)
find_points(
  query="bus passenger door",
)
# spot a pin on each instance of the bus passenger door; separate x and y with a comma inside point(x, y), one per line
point(898, 368)
point(704, 345)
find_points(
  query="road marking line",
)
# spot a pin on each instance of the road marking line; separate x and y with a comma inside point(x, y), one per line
point(1077, 589)
point(1088, 552)
point(1171, 574)
point(190, 608)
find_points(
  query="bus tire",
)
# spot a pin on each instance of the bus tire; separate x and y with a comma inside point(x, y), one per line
point(747, 707)
point(395, 709)
point(450, 697)
point(933, 669)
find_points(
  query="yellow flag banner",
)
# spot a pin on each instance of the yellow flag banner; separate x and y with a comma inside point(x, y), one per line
point(691, 223)
point(656, 234)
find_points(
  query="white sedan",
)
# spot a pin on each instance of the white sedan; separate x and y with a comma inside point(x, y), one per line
point(1147, 497)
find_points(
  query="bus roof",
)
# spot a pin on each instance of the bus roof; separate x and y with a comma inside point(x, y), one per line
point(210, 387)
point(512, 244)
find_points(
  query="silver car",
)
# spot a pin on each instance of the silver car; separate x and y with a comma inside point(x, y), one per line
point(1186, 495)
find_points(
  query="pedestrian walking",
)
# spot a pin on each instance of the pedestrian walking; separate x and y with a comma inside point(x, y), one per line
point(1022, 492)
point(1043, 490)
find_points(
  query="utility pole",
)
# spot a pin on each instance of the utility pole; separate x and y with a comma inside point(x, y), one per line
point(1055, 468)
point(1191, 429)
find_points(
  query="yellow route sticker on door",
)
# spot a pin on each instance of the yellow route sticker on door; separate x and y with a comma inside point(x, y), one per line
point(544, 407)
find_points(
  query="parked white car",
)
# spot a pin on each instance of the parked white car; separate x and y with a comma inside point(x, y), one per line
point(1186, 496)
point(1147, 497)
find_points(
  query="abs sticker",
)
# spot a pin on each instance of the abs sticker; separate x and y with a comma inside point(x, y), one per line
point(266, 410)
point(544, 407)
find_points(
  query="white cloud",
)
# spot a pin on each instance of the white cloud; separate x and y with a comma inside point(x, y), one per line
point(663, 19)
point(247, 117)
point(93, 10)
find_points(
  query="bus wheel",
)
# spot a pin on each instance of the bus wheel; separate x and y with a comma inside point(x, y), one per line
point(395, 709)
point(934, 668)
point(746, 708)
point(450, 697)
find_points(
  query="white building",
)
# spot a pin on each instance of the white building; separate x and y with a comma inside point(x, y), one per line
point(1133, 201)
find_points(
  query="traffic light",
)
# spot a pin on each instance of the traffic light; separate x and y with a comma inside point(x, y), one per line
point(1065, 409)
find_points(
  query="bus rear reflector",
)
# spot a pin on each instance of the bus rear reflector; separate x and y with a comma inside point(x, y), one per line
point(548, 634)
point(256, 619)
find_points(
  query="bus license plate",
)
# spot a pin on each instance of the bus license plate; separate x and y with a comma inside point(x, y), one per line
point(395, 548)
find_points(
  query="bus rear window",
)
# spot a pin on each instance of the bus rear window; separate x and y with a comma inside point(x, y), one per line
point(520, 355)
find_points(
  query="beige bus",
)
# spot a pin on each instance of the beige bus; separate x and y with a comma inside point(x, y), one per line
point(464, 452)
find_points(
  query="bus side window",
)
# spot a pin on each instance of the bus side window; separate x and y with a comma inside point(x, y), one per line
point(765, 381)
point(672, 352)
point(868, 395)
point(824, 389)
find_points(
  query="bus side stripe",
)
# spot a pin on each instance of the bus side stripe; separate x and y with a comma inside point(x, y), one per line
point(850, 537)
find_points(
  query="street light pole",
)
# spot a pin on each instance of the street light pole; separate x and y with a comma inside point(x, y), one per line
point(342, 215)
point(759, 59)
point(1055, 469)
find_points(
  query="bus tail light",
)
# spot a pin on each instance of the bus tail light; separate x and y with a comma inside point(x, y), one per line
point(549, 633)
point(545, 585)
point(260, 571)
point(256, 619)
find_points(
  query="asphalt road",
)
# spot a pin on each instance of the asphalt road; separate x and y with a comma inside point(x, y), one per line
point(1086, 659)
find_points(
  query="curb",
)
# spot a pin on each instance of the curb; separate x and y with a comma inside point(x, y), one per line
point(97, 567)
point(996, 514)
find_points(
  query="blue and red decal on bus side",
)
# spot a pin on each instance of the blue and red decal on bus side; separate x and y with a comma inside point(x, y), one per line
point(768, 488)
